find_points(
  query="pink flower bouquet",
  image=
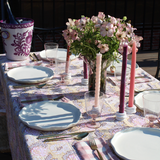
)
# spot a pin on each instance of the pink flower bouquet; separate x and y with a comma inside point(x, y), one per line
point(104, 34)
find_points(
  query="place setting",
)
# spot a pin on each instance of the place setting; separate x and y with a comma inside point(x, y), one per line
point(50, 115)
point(148, 103)
point(30, 74)
point(137, 142)
point(60, 51)
point(27, 73)
point(38, 73)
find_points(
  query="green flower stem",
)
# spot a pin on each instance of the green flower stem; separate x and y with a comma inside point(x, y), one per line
point(93, 51)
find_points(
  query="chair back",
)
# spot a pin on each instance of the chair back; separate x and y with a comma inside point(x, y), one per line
point(43, 35)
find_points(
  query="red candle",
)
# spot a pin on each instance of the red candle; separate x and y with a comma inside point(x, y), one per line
point(123, 78)
point(132, 77)
point(85, 69)
point(67, 60)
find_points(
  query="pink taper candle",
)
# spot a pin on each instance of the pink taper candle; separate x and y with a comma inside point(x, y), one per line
point(98, 76)
point(67, 59)
point(123, 78)
point(132, 77)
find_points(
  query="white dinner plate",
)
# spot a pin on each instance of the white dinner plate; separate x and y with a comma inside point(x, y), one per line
point(30, 74)
point(50, 115)
point(137, 143)
point(62, 52)
point(138, 101)
point(119, 67)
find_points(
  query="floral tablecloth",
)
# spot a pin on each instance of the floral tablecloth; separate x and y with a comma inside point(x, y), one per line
point(23, 140)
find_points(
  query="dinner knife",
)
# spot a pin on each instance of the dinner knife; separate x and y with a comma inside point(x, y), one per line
point(31, 85)
point(65, 134)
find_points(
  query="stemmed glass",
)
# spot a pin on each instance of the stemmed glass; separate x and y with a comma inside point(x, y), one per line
point(51, 52)
point(61, 69)
point(91, 110)
point(151, 106)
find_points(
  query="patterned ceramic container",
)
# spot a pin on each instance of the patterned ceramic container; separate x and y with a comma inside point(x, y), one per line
point(17, 38)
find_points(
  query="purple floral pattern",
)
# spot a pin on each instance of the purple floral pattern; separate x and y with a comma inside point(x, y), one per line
point(17, 38)
point(30, 23)
point(22, 43)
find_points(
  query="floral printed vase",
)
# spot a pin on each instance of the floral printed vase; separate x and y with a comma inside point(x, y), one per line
point(92, 75)
point(17, 38)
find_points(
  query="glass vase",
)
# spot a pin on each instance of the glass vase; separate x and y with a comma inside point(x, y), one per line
point(92, 76)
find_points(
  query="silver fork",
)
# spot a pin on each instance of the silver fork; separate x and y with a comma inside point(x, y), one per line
point(93, 145)
point(37, 85)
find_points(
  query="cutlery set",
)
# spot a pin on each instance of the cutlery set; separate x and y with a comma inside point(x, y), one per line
point(33, 57)
point(41, 85)
point(75, 136)
point(93, 145)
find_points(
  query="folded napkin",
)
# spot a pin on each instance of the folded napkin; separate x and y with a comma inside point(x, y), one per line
point(87, 153)
point(10, 65)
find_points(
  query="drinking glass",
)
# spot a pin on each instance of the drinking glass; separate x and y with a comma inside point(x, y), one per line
point(118, 72)
point(61, 69)
point(51, 52)
point(91, 110)
point(151, 106)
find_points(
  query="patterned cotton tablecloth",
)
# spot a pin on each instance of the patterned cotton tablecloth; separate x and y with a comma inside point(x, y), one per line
point(23, 140)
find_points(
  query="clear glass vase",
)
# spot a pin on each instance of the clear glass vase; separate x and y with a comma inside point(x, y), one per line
point(92, 75)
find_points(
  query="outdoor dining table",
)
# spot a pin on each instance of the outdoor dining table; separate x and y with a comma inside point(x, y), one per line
point(23, 139)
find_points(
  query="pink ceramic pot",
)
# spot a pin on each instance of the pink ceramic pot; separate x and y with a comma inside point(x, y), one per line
point(17, 38)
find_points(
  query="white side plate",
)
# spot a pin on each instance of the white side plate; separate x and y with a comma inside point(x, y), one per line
point(119, 67)
point(62, 52)
point(137, 143)
point(138, 101)
point(30, 74)
point(50, 115)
